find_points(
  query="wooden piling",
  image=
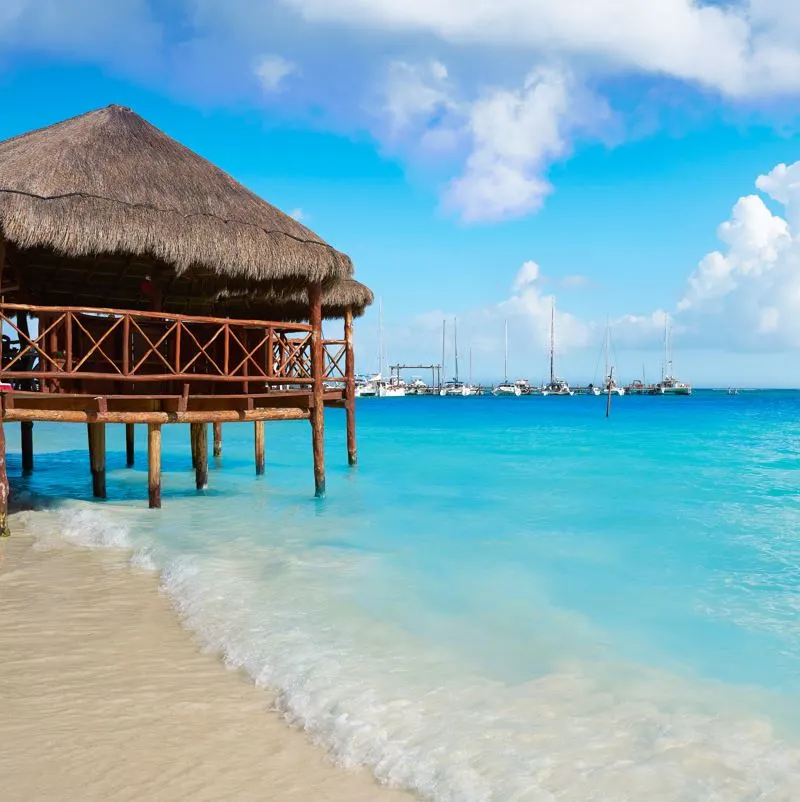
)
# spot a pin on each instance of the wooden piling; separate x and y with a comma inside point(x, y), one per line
point(4, 493)
point(200, 451)
point(259, 442)
point(193, 442)
point(154, 465)
point(26, 440)
point(97, 457)
point(350, 388)
point(317, 373)
point(129, 445)
point(217, 439)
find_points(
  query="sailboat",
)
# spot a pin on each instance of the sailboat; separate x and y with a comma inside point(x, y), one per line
point(610, 386)
point(454, 386)
point(377, 385)
point(556, 386)
point(669, 385)
point(506, 388)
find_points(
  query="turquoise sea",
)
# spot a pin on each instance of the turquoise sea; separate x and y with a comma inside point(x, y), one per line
point(508, 599)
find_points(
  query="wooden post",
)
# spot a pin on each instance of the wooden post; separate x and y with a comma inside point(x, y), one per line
point(200, 454)
point(4, 494)
point(259, 428)
point(97, 458)
point(318, 388)
point(129, 444)
point(154, 465)
point(609, 379)
point(26, 439)
point(350, 388)
point(217, 439)
point(193, 442)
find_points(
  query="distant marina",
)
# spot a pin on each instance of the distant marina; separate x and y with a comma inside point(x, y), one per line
point(378, 385)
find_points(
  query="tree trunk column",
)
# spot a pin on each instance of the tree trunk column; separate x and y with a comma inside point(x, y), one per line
point(350, 388)
point(129, 444)
point(154, 465)
point(200, 454)
point(318, 388)
point(217, 440)
point(97, 458)
point(26, 439)
point(4, 494)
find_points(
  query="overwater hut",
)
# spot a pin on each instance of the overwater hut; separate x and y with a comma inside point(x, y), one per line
point(139, 283)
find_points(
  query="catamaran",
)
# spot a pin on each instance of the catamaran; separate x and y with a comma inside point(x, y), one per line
point(669, 385)
point(556, 386)
point(610, 385)
point(393, 387)
point(507, 388)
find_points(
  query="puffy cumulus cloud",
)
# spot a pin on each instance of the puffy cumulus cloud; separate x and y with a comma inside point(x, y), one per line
point(737, 48)
point(515, 135)
point(272, 71)
point(747, 294)
point(529, 273)
point(416, 93)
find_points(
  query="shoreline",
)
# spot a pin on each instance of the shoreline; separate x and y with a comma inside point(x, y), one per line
point(106, 696)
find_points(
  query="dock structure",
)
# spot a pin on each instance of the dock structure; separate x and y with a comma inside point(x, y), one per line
point(140, 284)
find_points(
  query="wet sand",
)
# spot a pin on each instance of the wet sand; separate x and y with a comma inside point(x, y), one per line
point(103, 696)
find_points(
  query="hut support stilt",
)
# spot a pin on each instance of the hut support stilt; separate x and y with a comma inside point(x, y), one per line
point(26, 440)
point(97, 458)
point(318, 389)
point(259, 441)
point(217, 439)
point(193, 442)
point(4, 494)
point(129, 444)
point(350, 388)
point(200, 452)
point(154, 465)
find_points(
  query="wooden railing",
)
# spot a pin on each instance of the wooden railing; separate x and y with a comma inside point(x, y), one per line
point(75, 345)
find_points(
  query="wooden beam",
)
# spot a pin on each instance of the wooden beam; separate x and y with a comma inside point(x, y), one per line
point(350, 388)
point(129, 445)
point(217, 439)
point(154, 465)
point(225, 416)
point(97, 458)
point(26, 440)
point(318, 388)
point(259, 446)
point(199, 434)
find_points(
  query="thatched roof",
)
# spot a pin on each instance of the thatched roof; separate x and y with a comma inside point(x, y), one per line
point(293, 304)
point(110, 183)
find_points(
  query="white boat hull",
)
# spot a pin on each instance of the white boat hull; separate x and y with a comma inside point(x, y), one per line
point(506, 390)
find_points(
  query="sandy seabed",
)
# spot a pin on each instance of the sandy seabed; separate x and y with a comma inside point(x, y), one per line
point(103, 696)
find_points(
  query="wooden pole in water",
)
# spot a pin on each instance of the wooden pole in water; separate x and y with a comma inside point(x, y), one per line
point(259, 437)
point(217, 439)
point(200, 452)
point(97, 457)
point(4, 494)
point(318, 389)
point(608, 397)
point(154, 465)
point(26, 439)
point(129, 444)
point(193, 442)
point(350, 388)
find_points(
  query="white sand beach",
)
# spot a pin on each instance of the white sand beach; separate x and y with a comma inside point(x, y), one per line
point(103, 696)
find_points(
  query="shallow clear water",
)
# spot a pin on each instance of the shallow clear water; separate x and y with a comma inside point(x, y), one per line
point(509, 599)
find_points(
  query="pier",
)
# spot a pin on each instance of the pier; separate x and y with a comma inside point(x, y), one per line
point(143, 286)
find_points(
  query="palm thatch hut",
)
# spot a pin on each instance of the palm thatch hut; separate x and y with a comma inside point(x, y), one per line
point(138, 259)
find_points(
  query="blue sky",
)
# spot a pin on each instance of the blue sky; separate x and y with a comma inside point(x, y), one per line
point(478, 159)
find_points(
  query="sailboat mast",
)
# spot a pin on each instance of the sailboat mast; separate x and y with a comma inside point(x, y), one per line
point(380, 337)
point(455, 343)
point(443, 374)
point(664, 363)
point(607, 335)
point(470, 366)
point(552, 341)
point(505, 359)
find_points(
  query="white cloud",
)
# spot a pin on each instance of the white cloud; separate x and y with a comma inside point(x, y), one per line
point(575, 282)
point(415, 92)
point(298, 214)
point(748, 294)
point(529, 273)
point(272, 71)
point(741, 48)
